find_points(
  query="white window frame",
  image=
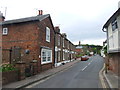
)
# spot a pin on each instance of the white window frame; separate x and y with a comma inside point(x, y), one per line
point(63, 55)
point(48, 55)
point(59, 54)
point(68, 44)
point(58, 40)
point(5, 31)
point(47, 34)
point(114, 25)
point(63, 42)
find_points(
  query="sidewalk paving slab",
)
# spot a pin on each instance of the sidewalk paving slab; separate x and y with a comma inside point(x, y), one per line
point(40, 76)
point(109, 80)
point(112, 79)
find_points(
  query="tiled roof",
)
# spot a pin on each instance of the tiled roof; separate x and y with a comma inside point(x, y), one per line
point(112, 18)
point(34, 18)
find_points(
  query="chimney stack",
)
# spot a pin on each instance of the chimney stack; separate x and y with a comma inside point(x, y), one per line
point(79, 43)
point(57, 29)
point(2, 18)
point(64, 35)
point(40, 12)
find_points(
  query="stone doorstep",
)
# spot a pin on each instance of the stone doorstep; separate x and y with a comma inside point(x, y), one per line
point(37, 77)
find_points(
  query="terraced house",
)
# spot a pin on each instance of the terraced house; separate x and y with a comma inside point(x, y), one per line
point(64, 49)
point(112, 29)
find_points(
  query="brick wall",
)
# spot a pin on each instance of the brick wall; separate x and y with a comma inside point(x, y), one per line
point(29, 36)
point(22, 35)
point(114, 61)
point(42, 36)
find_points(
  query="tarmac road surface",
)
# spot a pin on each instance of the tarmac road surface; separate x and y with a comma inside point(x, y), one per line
point(84, 74)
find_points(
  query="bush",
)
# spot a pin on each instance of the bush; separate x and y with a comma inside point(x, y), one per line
point(79, 55)
point(7, 67)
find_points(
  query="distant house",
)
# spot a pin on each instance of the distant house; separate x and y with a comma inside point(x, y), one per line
point(29, 40)
point(79, 49)
point(64, 49)
point(112, 28)
point(86, 49)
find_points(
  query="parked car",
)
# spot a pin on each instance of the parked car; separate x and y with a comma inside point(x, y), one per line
point(84, 58)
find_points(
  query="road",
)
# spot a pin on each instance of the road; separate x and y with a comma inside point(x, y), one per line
point(84, 74)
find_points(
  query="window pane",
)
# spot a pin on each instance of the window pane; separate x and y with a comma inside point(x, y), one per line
point(49, 59)
point(114, 24)
point(49, 55)
point(47, 34)
point(43, 56)
point(5, 31)
point(44, 59)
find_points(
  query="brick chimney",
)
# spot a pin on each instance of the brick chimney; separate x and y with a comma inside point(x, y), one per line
point(2, 18)
point(64, 35)
point(79, 43)
point(40, 12)
point(57, 29)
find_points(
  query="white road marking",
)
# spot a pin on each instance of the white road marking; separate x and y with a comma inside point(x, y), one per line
point(91, 61)
point(84, 68)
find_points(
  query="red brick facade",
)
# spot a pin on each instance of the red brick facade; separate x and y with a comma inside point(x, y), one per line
point(28, 36)
point(114, 62)
point(64, 49)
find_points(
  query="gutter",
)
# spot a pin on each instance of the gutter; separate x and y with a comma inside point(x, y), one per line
point(103, 29)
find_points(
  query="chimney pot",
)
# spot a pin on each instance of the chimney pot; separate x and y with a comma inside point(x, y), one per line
point(40, 12)
point(64, 35)
point(79, 43)
point(57, 29)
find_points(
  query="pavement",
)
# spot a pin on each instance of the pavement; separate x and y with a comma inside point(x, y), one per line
point(40, 76)
point(109, 79)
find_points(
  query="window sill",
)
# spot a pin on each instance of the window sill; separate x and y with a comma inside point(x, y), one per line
point(46, 62)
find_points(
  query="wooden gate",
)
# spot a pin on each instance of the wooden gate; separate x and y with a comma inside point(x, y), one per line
point(11, 55)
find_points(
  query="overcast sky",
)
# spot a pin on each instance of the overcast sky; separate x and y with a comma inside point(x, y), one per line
point(81, 20)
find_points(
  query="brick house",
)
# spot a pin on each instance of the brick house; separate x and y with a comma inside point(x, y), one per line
point(29, 40)
point(112, 29)
point(71, 51)
point(64, 49)
point(58, 47)
point(79, 49)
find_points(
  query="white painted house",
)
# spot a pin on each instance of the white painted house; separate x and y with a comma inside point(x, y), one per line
point(112, 29)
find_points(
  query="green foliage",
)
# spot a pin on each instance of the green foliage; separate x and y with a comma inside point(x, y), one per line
point(7, 67)
point(87, 53)
point(95, 50)
point(79, 55)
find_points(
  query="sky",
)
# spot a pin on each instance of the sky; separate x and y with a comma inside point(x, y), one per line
point(81, 20)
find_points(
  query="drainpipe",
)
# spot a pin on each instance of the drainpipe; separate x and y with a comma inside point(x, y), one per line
point(54, 48)
point(10, 55)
